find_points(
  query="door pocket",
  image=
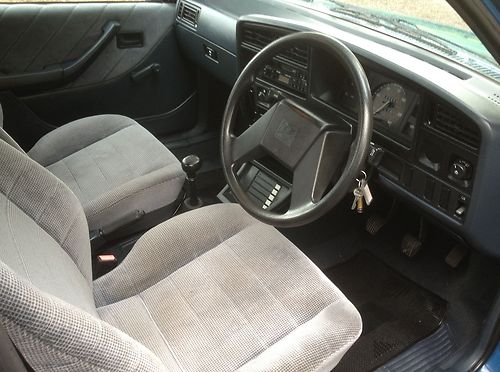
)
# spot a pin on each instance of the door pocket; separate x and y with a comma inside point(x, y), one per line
point(126, 40)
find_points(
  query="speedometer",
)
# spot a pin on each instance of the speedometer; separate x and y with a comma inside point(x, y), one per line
point(389, 103)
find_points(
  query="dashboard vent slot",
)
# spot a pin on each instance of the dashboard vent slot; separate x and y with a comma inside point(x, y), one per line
point(485, 68)
point(298, 55)
point(257, 39)
point(188, 14)
point(455, 125)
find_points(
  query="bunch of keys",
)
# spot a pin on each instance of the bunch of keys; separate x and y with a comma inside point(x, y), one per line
point(362, 194)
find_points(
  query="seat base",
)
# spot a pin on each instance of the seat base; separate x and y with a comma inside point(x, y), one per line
point(229, 293)
point(113, 165)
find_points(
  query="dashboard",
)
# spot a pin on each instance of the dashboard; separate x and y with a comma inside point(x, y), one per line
point(419, 135)
point(436, 123)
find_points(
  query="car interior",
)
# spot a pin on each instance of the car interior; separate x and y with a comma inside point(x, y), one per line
point(272, 185)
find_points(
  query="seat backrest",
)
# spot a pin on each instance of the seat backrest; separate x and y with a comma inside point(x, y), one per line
point(46, 296)
point(4, 136)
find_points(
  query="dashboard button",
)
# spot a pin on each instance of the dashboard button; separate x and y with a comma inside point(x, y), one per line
point(461, 170)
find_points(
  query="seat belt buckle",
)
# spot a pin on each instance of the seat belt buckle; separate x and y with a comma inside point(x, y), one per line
point(106, 258)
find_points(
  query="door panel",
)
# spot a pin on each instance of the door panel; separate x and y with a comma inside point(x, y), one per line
point(37, 37)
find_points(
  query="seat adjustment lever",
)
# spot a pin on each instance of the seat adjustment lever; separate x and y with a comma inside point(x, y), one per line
point(99, 237)
point(153, 68)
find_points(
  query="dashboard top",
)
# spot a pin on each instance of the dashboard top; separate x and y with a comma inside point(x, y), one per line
point(402, 70)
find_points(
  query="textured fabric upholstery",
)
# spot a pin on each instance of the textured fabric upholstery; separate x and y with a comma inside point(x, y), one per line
point(46, 201)
point(46, 299)
point(19, 231)
point(75, 136)
point(4, 136)
point(113, 165)
point(209, 290)
point(229, 293)
point(55, 336)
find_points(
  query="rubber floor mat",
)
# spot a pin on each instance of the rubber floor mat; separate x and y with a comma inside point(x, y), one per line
point(396, 312)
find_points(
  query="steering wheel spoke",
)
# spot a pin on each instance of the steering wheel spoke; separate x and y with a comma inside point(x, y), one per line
point(248, 145)
point(316, 170)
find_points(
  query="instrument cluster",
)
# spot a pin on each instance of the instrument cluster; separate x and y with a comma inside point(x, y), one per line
point(395, 105)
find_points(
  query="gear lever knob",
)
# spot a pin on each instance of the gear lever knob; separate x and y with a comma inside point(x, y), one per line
point(191, 164)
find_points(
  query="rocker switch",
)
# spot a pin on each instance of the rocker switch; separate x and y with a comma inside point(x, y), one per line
point(460, 212)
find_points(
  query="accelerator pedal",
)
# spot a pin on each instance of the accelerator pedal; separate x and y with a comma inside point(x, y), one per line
point(456, 255)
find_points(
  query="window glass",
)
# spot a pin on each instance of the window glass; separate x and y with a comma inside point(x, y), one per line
point(430, 24)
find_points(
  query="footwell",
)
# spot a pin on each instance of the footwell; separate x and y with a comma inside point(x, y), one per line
point(396, 312)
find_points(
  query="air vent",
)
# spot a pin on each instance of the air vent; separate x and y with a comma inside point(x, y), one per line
point(483, 67)
point(257, 39)
point(455, 125)
point(188, 14)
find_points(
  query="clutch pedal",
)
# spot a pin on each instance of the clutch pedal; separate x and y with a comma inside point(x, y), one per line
point(374, 223)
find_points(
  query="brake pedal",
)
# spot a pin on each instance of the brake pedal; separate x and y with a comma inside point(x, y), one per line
point(374, 223)
point(410, 245)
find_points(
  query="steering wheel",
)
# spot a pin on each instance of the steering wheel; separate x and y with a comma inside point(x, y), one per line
point(311, 148)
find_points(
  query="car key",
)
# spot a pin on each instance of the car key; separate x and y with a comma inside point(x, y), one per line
point(358, 200)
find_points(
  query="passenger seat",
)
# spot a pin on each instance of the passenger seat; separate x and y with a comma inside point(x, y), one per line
point(115, 167)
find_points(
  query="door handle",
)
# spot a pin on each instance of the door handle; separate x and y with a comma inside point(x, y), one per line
point(63, 71)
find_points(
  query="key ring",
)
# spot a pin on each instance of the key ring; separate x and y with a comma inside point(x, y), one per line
point(360, 181)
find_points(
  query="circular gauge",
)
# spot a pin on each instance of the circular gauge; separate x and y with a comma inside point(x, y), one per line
point(389, 103)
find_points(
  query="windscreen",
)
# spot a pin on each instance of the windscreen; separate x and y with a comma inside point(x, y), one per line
point(431, 24)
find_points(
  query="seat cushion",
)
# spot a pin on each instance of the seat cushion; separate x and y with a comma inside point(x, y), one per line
point(4, 136)
point(229, 293)
point(113, 165)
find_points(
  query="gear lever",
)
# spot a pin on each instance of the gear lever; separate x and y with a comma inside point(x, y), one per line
point(191, 164)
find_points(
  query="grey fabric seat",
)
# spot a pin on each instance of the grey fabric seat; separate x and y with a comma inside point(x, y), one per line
point(4, 136)
point(233, 295)
point(113, 165)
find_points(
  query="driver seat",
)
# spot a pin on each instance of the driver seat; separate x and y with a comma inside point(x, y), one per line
point(210, 290)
